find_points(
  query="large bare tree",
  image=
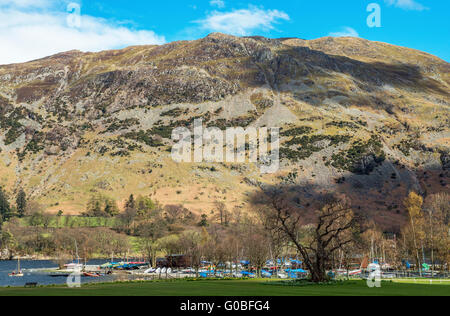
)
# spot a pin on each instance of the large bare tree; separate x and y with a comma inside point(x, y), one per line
point(331, 230)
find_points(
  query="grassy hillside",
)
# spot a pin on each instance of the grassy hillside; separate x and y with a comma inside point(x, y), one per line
point(365, 119)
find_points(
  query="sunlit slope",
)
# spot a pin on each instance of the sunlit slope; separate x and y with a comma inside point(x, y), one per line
point(366, 119)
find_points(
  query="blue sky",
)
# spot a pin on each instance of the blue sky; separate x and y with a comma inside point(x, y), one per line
point(31, 29)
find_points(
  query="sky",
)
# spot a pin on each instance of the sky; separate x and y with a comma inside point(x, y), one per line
point(31, 29)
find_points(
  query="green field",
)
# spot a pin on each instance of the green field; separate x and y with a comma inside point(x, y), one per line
point(73, 222)
point(234, 288)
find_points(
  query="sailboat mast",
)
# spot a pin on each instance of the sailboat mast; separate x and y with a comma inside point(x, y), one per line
point(76, 250)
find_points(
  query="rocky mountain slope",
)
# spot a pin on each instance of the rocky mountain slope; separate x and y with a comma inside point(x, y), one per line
point(366, 119)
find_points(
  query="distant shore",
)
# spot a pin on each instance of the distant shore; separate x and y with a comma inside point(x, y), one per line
point(48, 258)
point(34, 258)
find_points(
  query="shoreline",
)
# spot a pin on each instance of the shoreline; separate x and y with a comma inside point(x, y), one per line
point(47, 258)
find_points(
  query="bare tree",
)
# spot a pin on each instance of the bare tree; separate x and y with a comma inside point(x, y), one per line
point(173, 213)
point(192, 243)
point(216, 247)
point(438, 227)
point(256, 247)
point(277, 239)
point(329, 233)
point(222, 212)
point(149, 233)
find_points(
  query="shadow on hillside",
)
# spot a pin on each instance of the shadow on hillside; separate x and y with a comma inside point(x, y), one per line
point(376, 197)
point(308, 199)
point(368, 75)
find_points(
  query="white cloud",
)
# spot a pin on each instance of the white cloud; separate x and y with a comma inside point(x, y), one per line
point(242, 22)
point(28, 34)
point(26, 3)
point(345, 32)
point(217, 3)
point(406, 4)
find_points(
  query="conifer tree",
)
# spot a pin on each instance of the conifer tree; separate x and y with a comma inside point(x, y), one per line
point(21, 203)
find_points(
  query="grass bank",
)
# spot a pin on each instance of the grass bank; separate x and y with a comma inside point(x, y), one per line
point(233, 288)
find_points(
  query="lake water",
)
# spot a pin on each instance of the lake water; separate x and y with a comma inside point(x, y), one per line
point(32, 270)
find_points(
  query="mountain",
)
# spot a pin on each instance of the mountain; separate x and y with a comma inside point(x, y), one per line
point(366, 119)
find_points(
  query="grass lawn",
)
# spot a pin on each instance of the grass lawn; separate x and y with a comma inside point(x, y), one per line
point(234, 288)
point(423, 281)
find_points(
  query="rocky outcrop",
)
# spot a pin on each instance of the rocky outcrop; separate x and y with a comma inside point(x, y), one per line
point(445, 160)
point(5, 254)
point(367, 164)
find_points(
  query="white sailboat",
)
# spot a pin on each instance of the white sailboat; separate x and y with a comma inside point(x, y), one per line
point(75, 266)
point(17, 273)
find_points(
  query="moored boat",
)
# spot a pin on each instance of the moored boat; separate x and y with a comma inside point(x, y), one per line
point(18, 272)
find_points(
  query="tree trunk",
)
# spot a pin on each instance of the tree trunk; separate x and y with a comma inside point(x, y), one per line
point(416, 248)
point(318, 273)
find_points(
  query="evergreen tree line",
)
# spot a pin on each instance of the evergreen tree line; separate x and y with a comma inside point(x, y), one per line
point(8, 211)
